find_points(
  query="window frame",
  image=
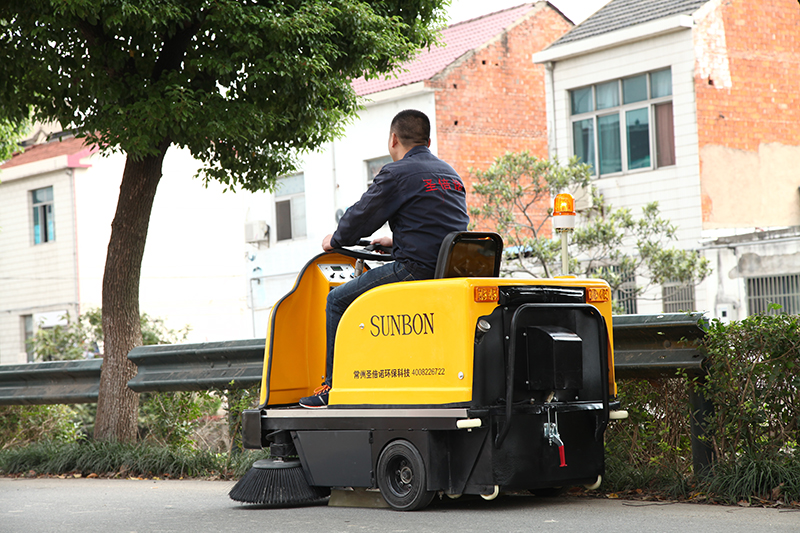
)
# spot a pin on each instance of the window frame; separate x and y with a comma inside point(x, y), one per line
point(42, 218)
point(385, 159)
point(621, 111)
point(781, 289)
point(675, 296)
point(293, 199)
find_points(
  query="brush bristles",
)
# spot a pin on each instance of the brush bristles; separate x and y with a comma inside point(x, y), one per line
point(277, 487)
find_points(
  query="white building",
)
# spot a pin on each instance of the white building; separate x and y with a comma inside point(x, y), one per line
point(692, 103)
point(57, 201)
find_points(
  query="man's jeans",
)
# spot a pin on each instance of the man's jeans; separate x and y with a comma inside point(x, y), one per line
point(342, 296)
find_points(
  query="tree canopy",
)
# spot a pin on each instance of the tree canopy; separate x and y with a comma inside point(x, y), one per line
point(10, 134)
point(515, 199)
point(244, 85)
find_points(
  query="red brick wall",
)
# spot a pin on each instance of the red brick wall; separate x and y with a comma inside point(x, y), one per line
point(494, 101)
point(747, 88)
point(762, 104)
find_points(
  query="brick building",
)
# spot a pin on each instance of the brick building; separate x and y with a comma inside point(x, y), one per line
point(484, 95)
point(694, 104)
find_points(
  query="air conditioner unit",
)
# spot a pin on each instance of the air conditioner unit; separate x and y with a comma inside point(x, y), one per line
point(256, 232)
point(583, 198)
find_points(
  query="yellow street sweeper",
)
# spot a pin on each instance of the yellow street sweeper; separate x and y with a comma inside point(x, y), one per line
point(464, 384)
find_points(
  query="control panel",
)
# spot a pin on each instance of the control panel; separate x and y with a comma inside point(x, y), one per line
point(337, 273)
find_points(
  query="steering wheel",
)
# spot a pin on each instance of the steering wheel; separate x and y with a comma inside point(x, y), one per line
point(366, 251)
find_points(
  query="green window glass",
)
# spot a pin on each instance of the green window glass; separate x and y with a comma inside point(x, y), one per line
point(634, 89)
point(583, 141)
point(661, 83)
point(581, 100)
point(609, 144)
point(638, 136)
point(608, 95)
point(44, 224)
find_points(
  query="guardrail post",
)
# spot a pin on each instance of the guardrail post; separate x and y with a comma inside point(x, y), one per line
point(702, 451)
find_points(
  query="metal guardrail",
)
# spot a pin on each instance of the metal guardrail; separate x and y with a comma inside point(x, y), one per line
point(657, 346)
point(645, 346)
point(193, 367)
point(50, 383)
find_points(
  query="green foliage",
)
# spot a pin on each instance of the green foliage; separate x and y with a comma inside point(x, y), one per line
point(754, 382)
point(62, 343)
point(515, 197)
point(651, 449)
point(115, 459)
point(171, 418)
point(243, 85)
point(154, 331)
point(753, 478)
point(236, 401)
point(514, 200)
point(84, 337)
point(11, 131)
point(24, 424)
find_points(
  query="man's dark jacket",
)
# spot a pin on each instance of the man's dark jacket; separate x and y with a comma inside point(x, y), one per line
point(423, 199)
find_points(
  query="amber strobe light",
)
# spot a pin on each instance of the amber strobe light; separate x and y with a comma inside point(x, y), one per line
point(563, 223)
point(487, 294)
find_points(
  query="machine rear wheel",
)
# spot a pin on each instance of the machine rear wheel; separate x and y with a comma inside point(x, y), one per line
point(402, 477)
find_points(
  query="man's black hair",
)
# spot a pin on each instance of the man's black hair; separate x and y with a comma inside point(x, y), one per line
point(412, 127)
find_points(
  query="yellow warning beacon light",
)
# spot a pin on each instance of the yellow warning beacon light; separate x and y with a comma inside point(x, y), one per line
point(564, 212)
point(564, 223)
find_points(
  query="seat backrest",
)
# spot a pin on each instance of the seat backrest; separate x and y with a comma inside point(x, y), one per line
point(469, 254)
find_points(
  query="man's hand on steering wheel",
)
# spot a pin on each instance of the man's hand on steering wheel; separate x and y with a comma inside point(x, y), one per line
point(385, 241)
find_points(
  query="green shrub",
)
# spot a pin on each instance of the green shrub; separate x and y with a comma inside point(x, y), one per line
point(651, 449)
point(170, 418)
point(24, 424)
point(754, 383)
point(122, 460)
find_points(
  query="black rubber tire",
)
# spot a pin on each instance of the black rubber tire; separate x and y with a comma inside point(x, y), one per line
point(402, 477)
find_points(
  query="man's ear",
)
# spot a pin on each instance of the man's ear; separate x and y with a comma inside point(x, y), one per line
point(394, 140)
point(429, 139)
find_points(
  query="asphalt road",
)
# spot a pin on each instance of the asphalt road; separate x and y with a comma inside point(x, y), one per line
point(111, 506)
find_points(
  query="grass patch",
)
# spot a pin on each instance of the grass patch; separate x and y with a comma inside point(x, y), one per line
point(622, 477)
point(757, 480)
point(112, 459)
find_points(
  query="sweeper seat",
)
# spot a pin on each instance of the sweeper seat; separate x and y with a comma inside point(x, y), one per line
point(469, 254)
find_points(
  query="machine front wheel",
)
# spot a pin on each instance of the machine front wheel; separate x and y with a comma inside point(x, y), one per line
point(402, 477)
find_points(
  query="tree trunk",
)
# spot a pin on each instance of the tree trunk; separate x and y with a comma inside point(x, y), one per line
point(117, 405)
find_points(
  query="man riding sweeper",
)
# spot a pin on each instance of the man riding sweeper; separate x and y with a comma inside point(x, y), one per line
point(465, 383)
point(421, 197)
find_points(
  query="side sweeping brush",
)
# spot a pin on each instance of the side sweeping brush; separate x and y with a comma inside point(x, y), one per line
point(277, 483)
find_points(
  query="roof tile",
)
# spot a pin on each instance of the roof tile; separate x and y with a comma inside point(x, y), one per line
point(457, 39)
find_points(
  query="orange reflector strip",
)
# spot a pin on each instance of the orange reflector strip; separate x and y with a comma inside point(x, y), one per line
point(598, 295)
point(487, 294)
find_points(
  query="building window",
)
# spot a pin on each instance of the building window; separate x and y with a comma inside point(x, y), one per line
point(374, 166)
point(624, 296)
point(625, 124)
point(290, 207)
point(677, 297)
point(44, 224)
point(773, 294)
